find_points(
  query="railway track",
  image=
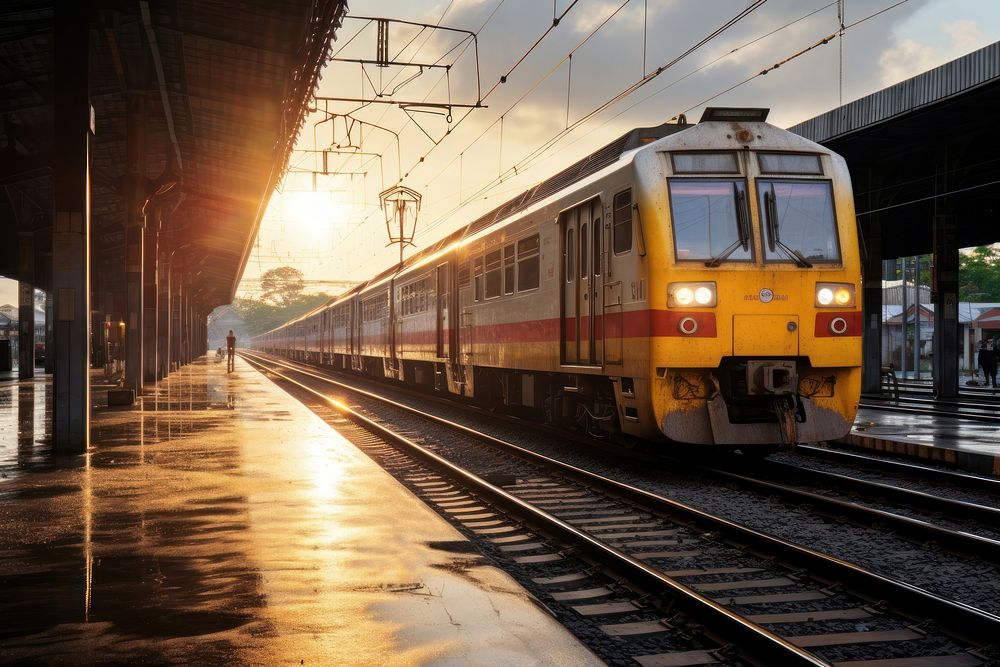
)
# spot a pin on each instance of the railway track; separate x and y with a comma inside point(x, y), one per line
point(794, 483)
point(904, 469)
point(778, 602)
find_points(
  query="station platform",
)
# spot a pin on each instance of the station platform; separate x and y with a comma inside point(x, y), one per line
point(219, 521)
point(966, 444)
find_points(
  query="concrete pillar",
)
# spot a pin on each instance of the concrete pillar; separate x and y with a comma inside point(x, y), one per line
point(871, 306)
point(945, 298)
point(72, 122)
point(135, 190)
point(150, 299)
point(49, 342)
point(163, 315)
point(26, 307)
point(176, 292)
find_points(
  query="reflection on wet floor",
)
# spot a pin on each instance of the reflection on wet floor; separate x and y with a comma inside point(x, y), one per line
point(934, 431)
point(221, 522)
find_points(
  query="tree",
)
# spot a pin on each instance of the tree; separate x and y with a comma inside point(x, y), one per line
point(979, 274)
point(259, 317)
point(281, 286)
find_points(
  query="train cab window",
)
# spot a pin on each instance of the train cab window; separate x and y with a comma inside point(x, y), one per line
point(527, 264)
point(477, 277)
point(622, 222)
point(710, 219)
point(789, 163)
point(494, 276)
point(508, 269)
point(584, 252)
point(569, 252)
point(705, 163)
point(799, 223)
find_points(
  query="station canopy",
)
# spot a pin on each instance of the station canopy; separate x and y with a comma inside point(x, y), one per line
point(222, 88)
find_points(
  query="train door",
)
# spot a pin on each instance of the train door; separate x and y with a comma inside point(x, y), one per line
point(355, 333)
point(581, 274)
point(443, 296)
point(391, 324)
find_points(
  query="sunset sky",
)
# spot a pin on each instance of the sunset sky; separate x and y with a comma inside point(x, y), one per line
point(337, 232)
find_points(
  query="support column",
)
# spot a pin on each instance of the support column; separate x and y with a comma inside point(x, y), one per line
point(150, 299)
point(871, 304)
point(163, 316)
point(944, 284)
point(134, 232)
point(49, 339)
point(72, 120)
point(176, 295)
point(945, 298)
point(26, 307)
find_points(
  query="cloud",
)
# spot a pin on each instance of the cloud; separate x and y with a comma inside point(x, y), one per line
point(907, 57)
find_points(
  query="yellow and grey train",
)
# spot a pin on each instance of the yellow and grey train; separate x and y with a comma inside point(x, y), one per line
point(692, 284)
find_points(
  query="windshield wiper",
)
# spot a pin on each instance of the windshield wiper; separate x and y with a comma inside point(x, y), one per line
point(742, 229)
point(771, 212)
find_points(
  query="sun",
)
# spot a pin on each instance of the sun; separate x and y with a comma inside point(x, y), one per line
point(313, 214)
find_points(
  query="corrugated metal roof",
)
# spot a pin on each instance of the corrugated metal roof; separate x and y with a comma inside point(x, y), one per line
point(954, 78)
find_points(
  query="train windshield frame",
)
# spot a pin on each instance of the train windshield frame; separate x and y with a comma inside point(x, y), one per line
point(799, 221)
point(710, 220)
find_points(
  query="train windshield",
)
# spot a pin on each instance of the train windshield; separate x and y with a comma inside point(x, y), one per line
point(799, 223)
point(710, 220)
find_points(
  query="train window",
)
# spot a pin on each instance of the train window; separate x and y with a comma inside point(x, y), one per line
point(569, 252)
point(494, 277)
point(597, 246)
point(374, 308)
point(508, 269)
point(583, 250)
point(477, 277)
point(709, 219)
point(705, 163)
point(527, 263)
point(789, 163)
point(799, 222)
point(623, 222)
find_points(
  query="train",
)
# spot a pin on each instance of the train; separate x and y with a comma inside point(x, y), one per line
point(692, 284)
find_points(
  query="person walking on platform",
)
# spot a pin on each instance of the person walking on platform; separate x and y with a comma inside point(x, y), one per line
point(988, 362)
point(231, 352)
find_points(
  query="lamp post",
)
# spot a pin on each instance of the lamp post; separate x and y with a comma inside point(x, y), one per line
point(401, 206)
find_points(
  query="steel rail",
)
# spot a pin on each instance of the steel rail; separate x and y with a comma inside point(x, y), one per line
point(984, 514)
point(757, 643)
point(951, 476)
point(917, 529)
point(959, 620)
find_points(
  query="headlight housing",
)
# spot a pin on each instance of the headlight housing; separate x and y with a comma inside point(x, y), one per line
point(836, 295)
point(691, 295)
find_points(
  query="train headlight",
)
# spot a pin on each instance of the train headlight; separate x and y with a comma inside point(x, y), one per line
point(691, 294)
point(835, 295)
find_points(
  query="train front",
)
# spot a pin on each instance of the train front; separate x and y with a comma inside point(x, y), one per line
point(754, 284)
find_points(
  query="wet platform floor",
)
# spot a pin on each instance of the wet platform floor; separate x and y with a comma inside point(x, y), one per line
point(222, 522)
point(963, 443)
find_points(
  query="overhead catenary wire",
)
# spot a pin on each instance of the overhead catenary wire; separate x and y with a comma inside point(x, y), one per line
point(521, 166)
point(620, 95)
